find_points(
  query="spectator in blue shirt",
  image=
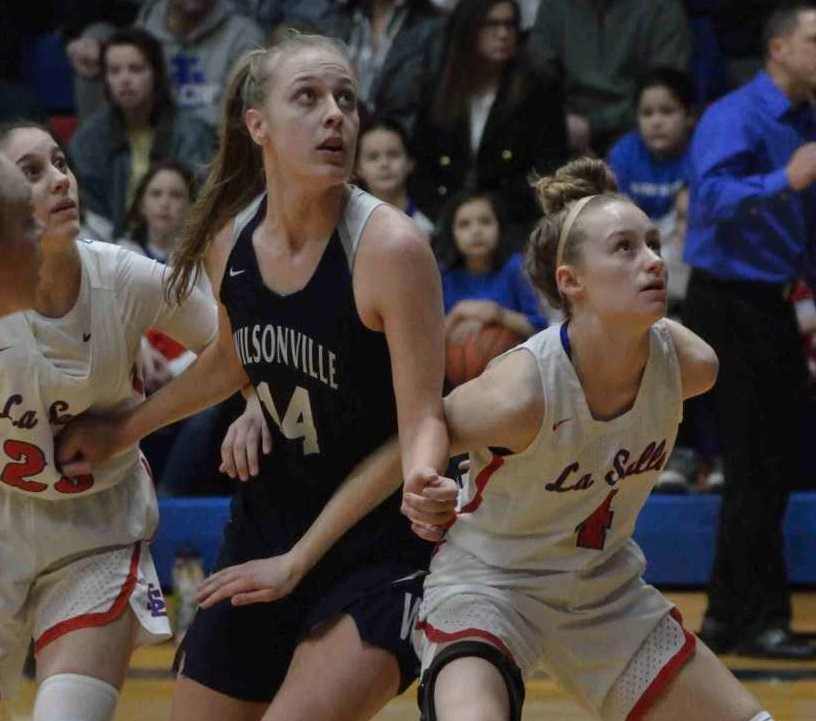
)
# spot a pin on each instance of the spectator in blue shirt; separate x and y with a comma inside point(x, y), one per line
point(481, 285)
point(752, 216)
point(651, 162)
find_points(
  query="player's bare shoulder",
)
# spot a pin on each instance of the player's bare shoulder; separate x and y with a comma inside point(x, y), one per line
point(390, 234)
point(395, 270)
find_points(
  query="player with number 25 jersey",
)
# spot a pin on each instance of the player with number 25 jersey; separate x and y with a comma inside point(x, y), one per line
point(52, 528)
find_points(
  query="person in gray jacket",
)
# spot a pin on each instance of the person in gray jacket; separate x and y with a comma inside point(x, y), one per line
point(140, 125)
point(202, 41)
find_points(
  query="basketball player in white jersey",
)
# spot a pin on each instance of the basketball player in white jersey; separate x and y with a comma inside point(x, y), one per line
point(19, 241)
point(76, 575)
point(331, 307)
point(567, 433)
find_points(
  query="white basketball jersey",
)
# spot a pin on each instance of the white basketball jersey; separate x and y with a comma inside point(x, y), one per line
point(54, 369)
point(571, 499)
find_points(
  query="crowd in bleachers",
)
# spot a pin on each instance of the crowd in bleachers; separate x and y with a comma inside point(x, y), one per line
point(478, 94)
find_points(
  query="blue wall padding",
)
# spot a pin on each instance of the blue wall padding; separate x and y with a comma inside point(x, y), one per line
point(677, 534)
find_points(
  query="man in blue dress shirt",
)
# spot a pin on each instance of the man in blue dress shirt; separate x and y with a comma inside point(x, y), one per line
point(752, 219)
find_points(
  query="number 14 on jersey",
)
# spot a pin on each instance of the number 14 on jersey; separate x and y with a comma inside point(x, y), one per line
point(298, 421)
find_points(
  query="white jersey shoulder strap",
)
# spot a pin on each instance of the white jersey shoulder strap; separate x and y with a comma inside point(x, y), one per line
point(245, 216)
point(358, 210)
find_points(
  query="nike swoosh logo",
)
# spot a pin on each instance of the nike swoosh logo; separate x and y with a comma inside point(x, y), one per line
point(86, 337)
point(6, 348)
point(233, 273)
point(409, 577)
point(560, 423)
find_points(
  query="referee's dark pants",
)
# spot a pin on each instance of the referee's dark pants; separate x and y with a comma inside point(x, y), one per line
point(752, 327)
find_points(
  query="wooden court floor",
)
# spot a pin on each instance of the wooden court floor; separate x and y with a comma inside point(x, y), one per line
point(786, 689)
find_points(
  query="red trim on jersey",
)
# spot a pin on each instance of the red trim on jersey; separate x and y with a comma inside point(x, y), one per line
point(481, 481)
point(438, 636)
point(102, 618)
point(666, 674)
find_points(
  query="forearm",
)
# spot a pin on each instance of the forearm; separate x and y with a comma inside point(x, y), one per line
point(209, 380)
point(368, 485)
point(723, 198)
point(426, 445)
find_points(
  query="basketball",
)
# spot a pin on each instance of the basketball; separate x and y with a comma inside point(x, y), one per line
point(468, 359)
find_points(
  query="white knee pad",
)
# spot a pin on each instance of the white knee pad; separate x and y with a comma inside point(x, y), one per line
point(71, 697)
point(762, 716)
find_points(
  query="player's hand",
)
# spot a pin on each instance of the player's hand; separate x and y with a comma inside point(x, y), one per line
point(259, 581)
point(244, 438)
point(463, 329)
point(429, 502)
point(86, 441)
point(485, 311)
point(801, 168)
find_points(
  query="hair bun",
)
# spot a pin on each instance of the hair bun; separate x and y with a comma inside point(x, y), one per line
point(573, 181)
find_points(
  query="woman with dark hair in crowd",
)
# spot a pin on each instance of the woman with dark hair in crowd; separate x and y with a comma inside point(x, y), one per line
point(113, 149)
point(160, 203)
point(488, 121)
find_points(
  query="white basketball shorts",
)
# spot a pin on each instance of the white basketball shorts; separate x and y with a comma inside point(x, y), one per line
point(608, 638)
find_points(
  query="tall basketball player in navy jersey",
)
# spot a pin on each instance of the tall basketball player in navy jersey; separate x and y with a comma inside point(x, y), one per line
point(331, 307)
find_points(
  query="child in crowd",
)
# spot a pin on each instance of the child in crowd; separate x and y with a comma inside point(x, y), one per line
point(481, 285)
point(650, 162)
point(384, 162)
point(159, 208)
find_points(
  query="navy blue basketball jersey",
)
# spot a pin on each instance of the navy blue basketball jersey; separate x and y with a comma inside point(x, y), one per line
point(324, 381)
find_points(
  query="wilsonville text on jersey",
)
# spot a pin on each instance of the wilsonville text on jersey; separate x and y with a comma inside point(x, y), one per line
point(285, 346)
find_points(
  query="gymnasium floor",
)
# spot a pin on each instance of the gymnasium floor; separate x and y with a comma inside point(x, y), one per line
point(787, 689)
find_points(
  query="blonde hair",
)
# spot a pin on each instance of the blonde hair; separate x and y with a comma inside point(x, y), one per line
point(237, 174)
point(578, 180)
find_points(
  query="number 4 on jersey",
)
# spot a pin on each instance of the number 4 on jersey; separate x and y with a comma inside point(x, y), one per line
point(592, 531)
point(298, 422)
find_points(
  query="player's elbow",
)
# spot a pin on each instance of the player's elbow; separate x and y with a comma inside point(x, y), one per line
point(701, 371)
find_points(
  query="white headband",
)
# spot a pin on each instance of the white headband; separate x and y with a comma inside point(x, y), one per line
point(569, 221)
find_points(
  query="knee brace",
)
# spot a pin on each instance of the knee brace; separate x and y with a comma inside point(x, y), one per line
point(71, 697)
point(508, 670)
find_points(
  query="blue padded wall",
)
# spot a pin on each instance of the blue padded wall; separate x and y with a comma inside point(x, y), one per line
point(676, 533)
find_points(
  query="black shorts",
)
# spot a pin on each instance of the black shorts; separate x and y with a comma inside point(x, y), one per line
point(223, 644)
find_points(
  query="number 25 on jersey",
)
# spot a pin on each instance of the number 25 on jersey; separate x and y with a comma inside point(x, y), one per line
point(26, 462)
point(298, 421)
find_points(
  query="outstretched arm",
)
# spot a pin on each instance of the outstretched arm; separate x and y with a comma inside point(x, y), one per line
point(399, 292)
point(268, 579)
point(215, 375)
point(503, 407)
